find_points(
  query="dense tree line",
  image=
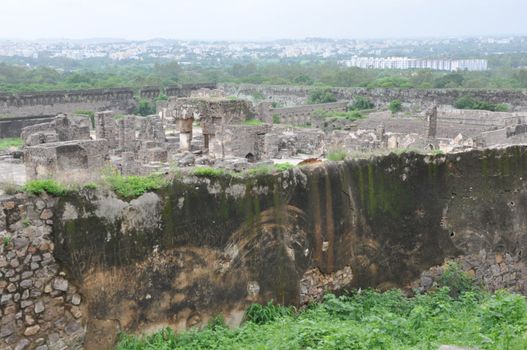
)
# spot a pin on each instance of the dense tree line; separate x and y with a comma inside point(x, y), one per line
point(16, 78)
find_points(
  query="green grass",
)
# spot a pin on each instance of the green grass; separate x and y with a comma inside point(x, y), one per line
point(337, 154)
point(253, 122)
point(365, 320)
point(265, 169)
point(48, 185)
point(11, 142)
point(134, 186)
point(205, 171)
point(283, 166)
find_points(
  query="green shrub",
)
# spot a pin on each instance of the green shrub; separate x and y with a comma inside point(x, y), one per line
point(134, 186)
point(40, 186)
point(6, 240)
point(362, 103)
point(145, 108)
point(90, 186)
point(364, 320)
point(395, 106)
point(262, 314)
point(162, 97)
point(11, 142)
point(321, 96)
point(467, 102)
point(456, 280)
point(337, 154)
point(501, 107)
point(205, 171)
point(283, 166)
point(276, 119)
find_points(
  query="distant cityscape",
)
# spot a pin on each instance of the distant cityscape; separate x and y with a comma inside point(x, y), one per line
point(413, 63)
point(447, 54)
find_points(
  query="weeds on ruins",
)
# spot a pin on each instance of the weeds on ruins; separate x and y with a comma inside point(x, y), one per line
point(134, 186)
point(366, 320)
point(50, 186)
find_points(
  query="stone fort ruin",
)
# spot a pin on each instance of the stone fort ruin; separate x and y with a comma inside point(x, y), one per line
point(76, 270)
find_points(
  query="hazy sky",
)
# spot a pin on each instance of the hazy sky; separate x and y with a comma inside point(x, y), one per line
point(259, 19)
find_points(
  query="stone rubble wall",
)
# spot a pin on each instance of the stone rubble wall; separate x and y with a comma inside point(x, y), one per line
point(39, 308)
point(423, 98)
point(491, 271)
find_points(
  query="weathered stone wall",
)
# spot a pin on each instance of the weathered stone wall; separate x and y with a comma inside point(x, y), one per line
point(296, 95)
point(39, 307)
point(303, 115)
point(204, 246)
point(56, 102)
point(25, 109)
point(12, 127)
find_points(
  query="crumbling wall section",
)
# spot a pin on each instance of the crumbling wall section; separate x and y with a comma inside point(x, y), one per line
point(297, 95)
point(208, 245)
point(39, 306)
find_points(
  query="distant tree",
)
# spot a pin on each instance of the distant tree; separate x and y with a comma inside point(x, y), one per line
point(395, 106)
point(303, 80)
point(451, 80)
point(521, 76)
point(145, 108)
point(362, 103)
point(321, 96)
point(467, 102)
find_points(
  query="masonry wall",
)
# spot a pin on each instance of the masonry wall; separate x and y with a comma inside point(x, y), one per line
point(12, 127)
point(302, 115)
point(296, 95)
point(20, 110)
point(203, 246)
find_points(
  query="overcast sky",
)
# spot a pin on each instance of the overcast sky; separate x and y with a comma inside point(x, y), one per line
point(259, 19)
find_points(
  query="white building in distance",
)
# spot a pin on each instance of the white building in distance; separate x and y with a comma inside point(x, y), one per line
point(414, 63)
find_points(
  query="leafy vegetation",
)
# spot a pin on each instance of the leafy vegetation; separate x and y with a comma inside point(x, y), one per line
point(362, 103)
point(395, 106)
point(205, 171)
point(145, 108)
point(337, 154)
point(48, 185)
point(134, 186)
point(321, 96)
point(10, 142)
point(283, 166)
point(276, 119)
point(365, 320)
point(507, 71)
point(6, 240)
point(467, 102)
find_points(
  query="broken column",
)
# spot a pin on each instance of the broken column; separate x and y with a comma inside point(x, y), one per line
point(106, 128)
point(185, 133)
point(127, 136)
point(432, 124)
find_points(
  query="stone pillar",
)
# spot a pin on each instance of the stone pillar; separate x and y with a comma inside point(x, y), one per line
point(432, 124)
point(127, 134)
point(185, 133)
point(106, 128)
